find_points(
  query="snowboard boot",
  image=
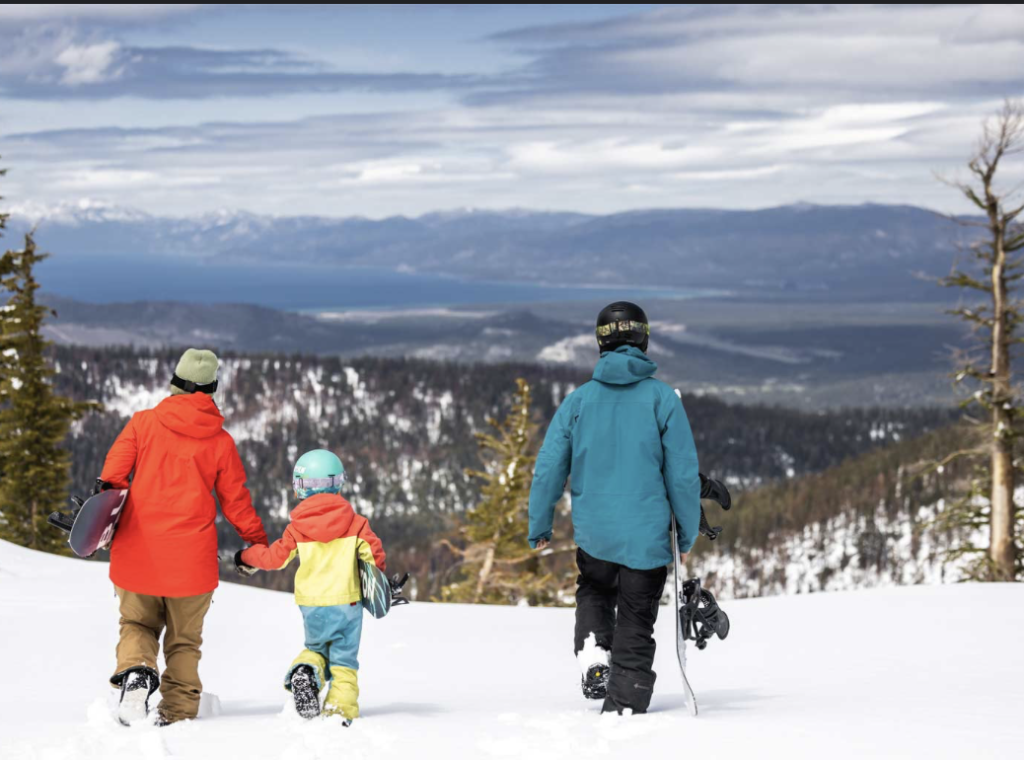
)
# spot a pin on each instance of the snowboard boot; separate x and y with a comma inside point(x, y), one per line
point(595, 682)
point(137, 685)
point(305, 692)
point(629, 692)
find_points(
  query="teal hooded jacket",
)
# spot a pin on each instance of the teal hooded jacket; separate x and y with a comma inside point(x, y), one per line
point(626, 442)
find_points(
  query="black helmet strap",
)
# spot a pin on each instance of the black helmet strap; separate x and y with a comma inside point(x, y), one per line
point(189, 387)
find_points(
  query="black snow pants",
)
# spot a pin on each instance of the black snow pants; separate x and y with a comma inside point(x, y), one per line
point(628, 633)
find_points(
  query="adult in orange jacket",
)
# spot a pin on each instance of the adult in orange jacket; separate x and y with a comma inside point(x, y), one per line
point(163, 559)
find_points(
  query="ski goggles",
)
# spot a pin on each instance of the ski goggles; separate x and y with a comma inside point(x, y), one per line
point(627, 326)
point(333, 481)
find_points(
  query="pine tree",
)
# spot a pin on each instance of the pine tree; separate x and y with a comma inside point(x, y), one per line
point(497, 565)
point(34, 421)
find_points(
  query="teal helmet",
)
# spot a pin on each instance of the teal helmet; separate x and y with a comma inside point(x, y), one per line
point(318, 471)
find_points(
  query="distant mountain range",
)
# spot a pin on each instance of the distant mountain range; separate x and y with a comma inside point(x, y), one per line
point(803, 251)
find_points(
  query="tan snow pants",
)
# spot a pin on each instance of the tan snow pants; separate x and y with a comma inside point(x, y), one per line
point(143, 618)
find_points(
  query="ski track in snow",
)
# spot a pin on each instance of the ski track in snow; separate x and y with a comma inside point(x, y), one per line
point(894, 672)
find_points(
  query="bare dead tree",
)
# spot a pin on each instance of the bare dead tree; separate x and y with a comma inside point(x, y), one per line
point(996, 254)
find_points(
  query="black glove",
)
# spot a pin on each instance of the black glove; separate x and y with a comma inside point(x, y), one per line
point(716, 491)
point(246, 571)
point(101, 485)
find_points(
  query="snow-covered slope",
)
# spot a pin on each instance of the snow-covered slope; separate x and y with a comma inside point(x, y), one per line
point(909, 672)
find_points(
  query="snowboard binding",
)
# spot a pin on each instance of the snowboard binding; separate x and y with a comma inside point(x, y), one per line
point(700, 617)
point(714, 490)
point(705, 528)
point(397, 582)
point(64, 521)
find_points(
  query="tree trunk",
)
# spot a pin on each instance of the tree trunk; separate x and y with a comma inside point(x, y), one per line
point(1001, 549)
point(485, 573)
point(1001, 521)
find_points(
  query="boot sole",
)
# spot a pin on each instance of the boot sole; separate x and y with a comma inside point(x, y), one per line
point(134, 707)
point(596, 686)
point(307, 699)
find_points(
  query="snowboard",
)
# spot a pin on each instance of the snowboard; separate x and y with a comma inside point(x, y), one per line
point(92, 526)
point(376, 589)
point(679, 602)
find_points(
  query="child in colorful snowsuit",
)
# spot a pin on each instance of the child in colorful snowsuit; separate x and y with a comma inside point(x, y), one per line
point(329, 538)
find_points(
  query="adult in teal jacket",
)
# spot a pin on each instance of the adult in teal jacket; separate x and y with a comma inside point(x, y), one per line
point(625, 441)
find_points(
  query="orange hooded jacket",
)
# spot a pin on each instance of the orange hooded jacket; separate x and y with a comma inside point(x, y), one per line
point(329, 538)
point(166, 542)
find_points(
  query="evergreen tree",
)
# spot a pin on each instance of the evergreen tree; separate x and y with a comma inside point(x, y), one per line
point(34, 420)
point(497, 565)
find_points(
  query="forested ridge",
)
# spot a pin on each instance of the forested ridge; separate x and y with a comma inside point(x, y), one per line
point(404, 429)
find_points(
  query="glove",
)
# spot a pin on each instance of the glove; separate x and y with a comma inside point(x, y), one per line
point(101, 485)
point(246, 571)
point(716, 491)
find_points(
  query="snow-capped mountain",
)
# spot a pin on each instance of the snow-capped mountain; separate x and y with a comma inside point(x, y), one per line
point(805, 251)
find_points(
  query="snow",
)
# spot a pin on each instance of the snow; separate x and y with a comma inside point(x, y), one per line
point(591, 654)
point(893, 672)
point(128, 399)
point(575, 350)
point(841, 554)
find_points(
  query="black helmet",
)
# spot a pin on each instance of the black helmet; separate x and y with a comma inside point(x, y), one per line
point(622, 324)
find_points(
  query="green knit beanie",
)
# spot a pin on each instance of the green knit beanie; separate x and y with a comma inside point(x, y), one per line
point(198, 366)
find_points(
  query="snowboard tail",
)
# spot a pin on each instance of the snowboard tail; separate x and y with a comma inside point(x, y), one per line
point(91, 527)
point(379, 593)
point(375, 588)
point(679, 604)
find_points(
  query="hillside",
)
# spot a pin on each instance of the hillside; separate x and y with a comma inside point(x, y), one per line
point(867, 522)
point(850, 675)
point(404, 429)
point(746, 350)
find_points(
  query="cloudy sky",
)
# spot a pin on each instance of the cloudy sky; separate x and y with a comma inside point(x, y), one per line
point(396, 109)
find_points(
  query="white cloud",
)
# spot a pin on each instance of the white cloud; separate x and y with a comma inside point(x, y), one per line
point(108, 179)
point(605, 155)
point(710, 105)
point(89, 64)
point(389, 172)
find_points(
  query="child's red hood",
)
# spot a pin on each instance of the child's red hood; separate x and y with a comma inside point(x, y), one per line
point(323, 517)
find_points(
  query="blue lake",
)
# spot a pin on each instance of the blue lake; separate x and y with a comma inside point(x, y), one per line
point(299, 287)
